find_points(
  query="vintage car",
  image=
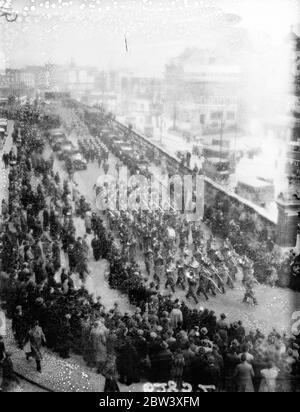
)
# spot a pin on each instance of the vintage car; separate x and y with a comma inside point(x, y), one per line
point(256, 190)
point(3, 125)
point(66, 150)
point(2, 133)
point(217, 169)
point(57, 141)
point(78, 161)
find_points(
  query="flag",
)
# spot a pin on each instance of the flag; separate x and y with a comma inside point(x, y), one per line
point(2, 324)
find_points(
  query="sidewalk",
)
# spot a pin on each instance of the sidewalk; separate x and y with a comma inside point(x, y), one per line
point(60, 375)
point(4, 172)
point(73, 375)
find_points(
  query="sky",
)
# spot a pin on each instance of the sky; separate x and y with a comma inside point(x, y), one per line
point(93, 32)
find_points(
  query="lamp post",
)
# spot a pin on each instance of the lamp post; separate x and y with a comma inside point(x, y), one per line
point(221, 136)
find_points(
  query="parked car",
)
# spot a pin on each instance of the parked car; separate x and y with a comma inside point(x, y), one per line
point(65, 151)
point(78, 161)
point(58, 141)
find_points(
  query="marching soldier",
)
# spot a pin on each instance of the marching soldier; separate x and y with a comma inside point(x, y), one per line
point(230, 262)
point(224, 273)
point(148, 261)
point(219, 272)
point(219, 280)
point(180, 274)
point(158, 268)
point(192, 285)
point(248, 270)
point(170, 276)
point(249, 294)
point(202, 286)
point(210, 286)
point(182, 240)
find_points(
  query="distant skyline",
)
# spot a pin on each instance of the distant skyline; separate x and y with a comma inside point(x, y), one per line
point(93, 32)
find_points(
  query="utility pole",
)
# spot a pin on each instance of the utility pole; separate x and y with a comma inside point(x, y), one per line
point(221, 136)
point(174, 115)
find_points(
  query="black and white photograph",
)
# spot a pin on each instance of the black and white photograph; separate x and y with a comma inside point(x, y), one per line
point(150, 198)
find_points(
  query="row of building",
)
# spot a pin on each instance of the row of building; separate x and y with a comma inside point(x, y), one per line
point(197, 89)
point(289, 201)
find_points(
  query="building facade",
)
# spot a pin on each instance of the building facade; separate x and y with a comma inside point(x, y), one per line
point(202, 91)
point(289, 200)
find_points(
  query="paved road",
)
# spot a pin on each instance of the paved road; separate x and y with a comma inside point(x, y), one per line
point(72, 375)
point(275, 304)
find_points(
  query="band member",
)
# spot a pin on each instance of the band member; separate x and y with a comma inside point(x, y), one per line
point(170, 277)
point(249, 294)
point(225, 276)
point(148, 261)
point(202, 286)
point(181, 281)
point(192, 285)
point(182, 240)
point(158, 268)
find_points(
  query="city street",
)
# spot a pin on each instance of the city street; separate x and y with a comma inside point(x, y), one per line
point(274, 309)
point(275, 304)
point(150, 198)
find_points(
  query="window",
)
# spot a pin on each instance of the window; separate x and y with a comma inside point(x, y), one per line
point(216, 115)
point(230, 115)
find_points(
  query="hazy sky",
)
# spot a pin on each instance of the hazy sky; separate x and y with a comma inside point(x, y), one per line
point(92, 32)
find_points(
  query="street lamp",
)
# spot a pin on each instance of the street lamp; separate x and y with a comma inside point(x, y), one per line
point(222, 125)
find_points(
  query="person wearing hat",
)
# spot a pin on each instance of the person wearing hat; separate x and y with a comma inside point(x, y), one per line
point(269, 378)
point(181, 281)
point(170, 278)
point(249, 294)
point(96, 246)
point(219, 280)
point(148, 260)
point(8, 373)
point(192, 285)
point(158, 268)
point(222, 324)
point(163, 363)
point(202, 286)
point(88, 223)
point(19, 326)
point(176, 317)
point(110, 373)
point(209, 284)
point(212, 373)
point(2, 348)
point(241, 332)
point(182, 240)
point(244, 375)
point(36, 338)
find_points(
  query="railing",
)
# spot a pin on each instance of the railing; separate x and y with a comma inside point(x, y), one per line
point(173, 160)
